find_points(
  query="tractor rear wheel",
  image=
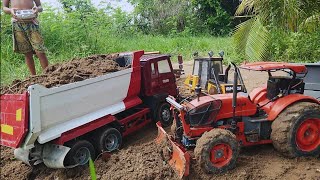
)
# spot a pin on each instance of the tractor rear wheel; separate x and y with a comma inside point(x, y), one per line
point(216, 151)
point(296, 131)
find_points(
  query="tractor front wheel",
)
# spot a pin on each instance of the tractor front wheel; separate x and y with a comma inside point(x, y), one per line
point(296, 131)
point(216, 151)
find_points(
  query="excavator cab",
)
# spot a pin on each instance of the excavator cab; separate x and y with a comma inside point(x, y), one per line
point(209, 74)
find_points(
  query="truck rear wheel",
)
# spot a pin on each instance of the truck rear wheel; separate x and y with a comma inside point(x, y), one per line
point(216, 151)
point(80, 153)
point(296, 131)
point(164, 114)
point(109, 140)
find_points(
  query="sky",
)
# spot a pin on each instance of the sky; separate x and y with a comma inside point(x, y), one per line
point(123, 4)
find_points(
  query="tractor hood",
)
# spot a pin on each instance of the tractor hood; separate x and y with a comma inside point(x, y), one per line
point(222, 105)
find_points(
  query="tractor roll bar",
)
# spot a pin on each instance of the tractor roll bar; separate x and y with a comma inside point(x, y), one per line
point(236, 69)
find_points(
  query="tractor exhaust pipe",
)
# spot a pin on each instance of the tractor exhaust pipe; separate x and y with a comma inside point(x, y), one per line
point(234, 98)
point(197, 90)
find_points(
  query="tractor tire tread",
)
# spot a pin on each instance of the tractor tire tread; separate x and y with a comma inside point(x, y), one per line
point(283, 124)
point(204, 144)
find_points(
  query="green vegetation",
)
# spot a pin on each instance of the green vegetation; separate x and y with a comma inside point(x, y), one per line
point(93, 174)
point(68, 36)
point(191, 17)
point(279, 29)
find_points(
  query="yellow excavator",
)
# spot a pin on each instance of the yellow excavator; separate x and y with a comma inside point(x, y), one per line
point(209, 75)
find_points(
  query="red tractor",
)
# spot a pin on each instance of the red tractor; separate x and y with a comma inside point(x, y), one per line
point(216, 126)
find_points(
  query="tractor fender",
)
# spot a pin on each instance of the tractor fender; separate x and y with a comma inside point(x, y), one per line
point(279, 105)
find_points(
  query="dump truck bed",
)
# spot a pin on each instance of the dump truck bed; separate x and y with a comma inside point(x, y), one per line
point(312, 80)
point(49, 112)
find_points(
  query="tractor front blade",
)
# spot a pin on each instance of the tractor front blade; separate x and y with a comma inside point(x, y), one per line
point(179, 158)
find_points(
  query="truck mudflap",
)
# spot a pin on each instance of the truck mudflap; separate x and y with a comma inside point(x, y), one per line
point(179, 158)
point(14, 119)
point(23, 155)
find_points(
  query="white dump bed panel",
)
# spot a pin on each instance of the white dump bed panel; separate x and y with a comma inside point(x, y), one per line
point(57, 110)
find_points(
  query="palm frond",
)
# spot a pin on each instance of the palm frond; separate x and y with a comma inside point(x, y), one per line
point(251, 39)
point(257, 41)
point(311, 23)
point(245, 7)
point(240, 35)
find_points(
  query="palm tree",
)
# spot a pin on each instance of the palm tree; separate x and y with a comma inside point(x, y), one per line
point(252, 36)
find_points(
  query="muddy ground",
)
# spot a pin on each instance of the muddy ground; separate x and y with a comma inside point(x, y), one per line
point(139, 159)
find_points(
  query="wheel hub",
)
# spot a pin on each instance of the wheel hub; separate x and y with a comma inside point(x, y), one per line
point(166, 115)
point(111, 142)
point(220, 155)
point(308, 135)
point(82, 156)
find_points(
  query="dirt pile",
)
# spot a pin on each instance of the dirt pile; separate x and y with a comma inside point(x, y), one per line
point(67, 72)
point(183, 90)
point(136, 162)
point(139, 158)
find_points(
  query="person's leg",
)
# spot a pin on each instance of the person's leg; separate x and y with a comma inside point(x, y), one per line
point(30, 62)
point(22, 45)
point(43, 59)
point(37, 43)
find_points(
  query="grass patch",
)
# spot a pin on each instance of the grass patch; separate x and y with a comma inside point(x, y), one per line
point(14, 67)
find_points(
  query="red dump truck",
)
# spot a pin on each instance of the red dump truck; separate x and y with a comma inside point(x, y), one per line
point(63, 126)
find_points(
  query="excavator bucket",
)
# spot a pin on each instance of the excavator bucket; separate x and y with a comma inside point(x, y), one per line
point(179, 158)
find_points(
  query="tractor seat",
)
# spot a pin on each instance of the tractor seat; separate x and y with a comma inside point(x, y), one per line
point(223, 78)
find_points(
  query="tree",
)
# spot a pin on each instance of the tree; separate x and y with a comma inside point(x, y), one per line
point(77, 5)
point(216, 15)
point(161, 16)
point(196, 16)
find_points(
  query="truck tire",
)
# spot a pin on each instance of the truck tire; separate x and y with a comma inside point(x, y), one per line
point(296, 131)
point(80, 153)
point(109, 139)
point(217, 151)
point(164, 114)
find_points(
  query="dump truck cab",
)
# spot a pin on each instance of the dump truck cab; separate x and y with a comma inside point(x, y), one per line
point(157, 82)
point(157, 75)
